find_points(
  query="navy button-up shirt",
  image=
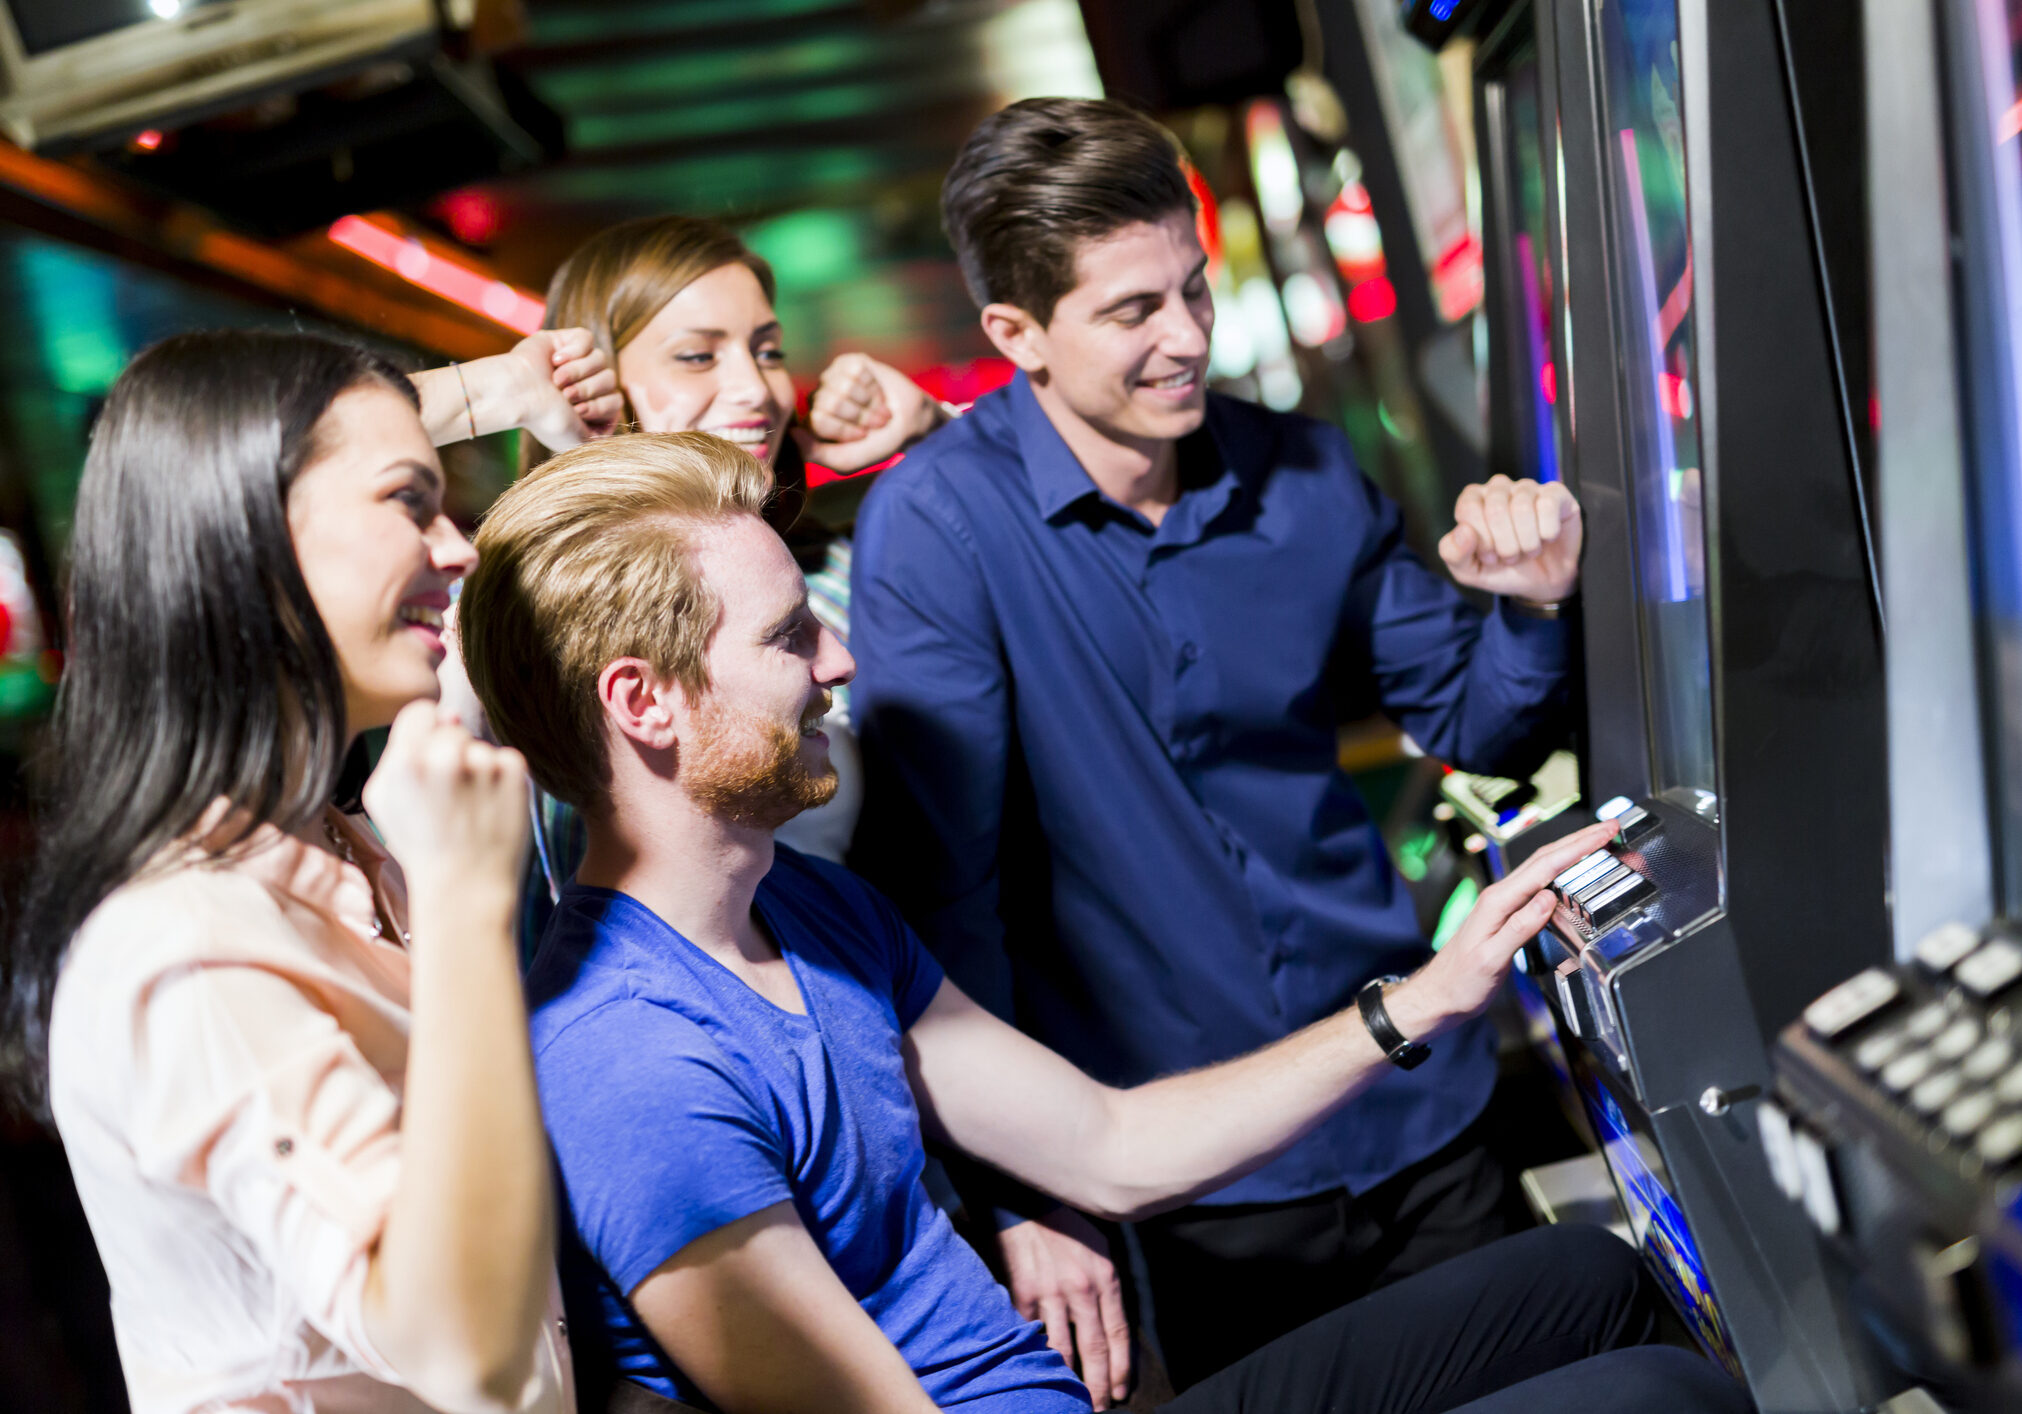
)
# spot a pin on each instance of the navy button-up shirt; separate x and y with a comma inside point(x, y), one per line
point(1102, 773)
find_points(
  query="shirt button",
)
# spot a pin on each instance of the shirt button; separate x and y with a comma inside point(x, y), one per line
point(1188, 652)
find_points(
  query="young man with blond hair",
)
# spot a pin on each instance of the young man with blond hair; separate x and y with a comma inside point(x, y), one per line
point(739, 1047)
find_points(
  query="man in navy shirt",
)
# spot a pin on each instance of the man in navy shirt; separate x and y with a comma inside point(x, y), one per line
point(739, 1047)
point(1108, 626)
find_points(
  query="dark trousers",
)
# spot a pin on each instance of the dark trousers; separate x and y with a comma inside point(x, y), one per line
point(1552, 1321)
point(1225, 1280)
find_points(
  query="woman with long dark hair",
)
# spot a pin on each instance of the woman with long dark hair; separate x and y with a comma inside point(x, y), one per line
point(289, 1064)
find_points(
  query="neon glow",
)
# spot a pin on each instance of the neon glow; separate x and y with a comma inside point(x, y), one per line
point(1313, 310)
point(148, 140)
point(459, 284)
point(1207, 215)
point(1373, 300)
point(1274, 168)
point(472, 214)
point(1458, 278)
point(1676, 395)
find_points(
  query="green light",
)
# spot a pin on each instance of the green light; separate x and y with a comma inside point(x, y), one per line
point(1459, 904)
point(1414, 853)
point(808, 248)
point(71, 298)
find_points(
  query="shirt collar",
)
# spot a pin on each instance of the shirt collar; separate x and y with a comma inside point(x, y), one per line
point(1056, 474)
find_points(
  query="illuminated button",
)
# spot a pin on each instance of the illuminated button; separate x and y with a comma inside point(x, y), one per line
point(1584, 894)
point(1877, 1051)
point(1962, 1117)
point(1904, 1071)
point(2001, 1141)
point(1937, 1092)
point(1853, 1001)
point(1600, 859)
point(1945, 946)
point(1995, 966)
point(1989, 1060)
point(1631, 893)
point(1634, 824)
point(1957, 1039)
point(1925, 1022)
point(2008, 1089)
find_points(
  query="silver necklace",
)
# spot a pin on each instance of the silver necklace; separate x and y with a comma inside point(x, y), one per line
point(344, 852)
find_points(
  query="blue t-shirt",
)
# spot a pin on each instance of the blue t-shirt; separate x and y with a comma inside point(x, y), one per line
point(679, 1100)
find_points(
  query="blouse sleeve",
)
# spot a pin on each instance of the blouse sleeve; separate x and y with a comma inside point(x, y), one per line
point(247, 1089)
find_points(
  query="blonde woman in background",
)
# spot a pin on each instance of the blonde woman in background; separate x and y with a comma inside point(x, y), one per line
point(683, 311)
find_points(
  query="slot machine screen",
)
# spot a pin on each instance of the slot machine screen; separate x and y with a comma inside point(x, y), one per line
point(1531, 300)
point(1992, 313)
point(1644, 130)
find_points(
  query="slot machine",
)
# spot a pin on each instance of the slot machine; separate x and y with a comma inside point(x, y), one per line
point(1662, 328)
point(1896, 1127)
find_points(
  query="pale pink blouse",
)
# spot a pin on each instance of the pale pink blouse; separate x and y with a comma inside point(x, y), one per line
point(226, 1057)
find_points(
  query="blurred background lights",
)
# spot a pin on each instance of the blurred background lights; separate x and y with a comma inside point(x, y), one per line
point(1274, 168)
point(1313, 310)
point(165, 9)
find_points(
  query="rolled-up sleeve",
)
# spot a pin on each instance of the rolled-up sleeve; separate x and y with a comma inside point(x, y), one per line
point(249, 1091)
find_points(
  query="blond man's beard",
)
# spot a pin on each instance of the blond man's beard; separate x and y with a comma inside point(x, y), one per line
point(748, 770)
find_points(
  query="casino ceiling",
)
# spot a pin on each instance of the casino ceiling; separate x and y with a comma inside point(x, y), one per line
point(820, 127)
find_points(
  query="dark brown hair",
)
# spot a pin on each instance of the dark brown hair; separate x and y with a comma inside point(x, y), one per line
point(1039, 178)
point(198, 668)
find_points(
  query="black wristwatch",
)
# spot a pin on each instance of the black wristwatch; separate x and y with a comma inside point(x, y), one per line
point(1405, 1055)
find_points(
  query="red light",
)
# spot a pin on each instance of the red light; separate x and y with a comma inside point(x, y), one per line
point(1207, 215)
point(1675, 394)
point(2010, 124)
point(459, 284)
point(959, 383)
point(963, 383)
point(1548, 382)
point(1372, 300)
point(473, 215)
point(148, 140)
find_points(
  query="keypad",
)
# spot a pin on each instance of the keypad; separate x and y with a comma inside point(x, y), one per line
point(1878, 1050)
point(1926, 1021)
point(1995, 967)
point(1965, 1115)
point(1937, 1092)
point(2001, 1141)
point(1988, 1060)
point(1908, 1070)
point(1957, 1039)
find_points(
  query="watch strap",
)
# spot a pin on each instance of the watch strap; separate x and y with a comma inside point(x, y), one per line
point(1402, 1053)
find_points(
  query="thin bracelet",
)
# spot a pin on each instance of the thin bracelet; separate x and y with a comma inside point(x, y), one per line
point(466, 400)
